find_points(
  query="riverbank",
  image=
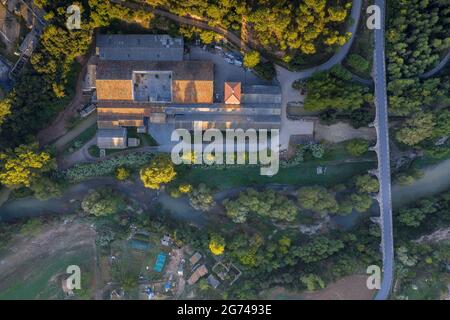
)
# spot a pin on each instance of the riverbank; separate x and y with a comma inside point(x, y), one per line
point(436, 179)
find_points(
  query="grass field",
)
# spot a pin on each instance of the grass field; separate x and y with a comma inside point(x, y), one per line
point(43, 280)
point(334, 159)
point(80, 140)
point(250, 176)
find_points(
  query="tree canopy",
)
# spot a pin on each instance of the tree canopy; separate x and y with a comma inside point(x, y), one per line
point(160, 170)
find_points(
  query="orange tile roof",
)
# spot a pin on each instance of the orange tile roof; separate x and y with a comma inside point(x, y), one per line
point(232, 93)
point(196, 91)
point(114, 90)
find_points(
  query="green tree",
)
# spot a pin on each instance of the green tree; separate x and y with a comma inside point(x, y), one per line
point(251, 59)
point(332, 90)
point(103, 202)
point(216, 244)
point(5, 110)
point(442, 124)
point(265, 70)
point(367, 184)
point(21, 166)
point(416, 129)
point(45, 188)
point(207, 36)
point(317, 199)
point(122, 173)
point(266, 203)
point(312, 282)
point(361, 201)
point(160, 171)
point(357, 147)
point(319, 248)
point(412, 217)
point(201, 198)
point(358, 63)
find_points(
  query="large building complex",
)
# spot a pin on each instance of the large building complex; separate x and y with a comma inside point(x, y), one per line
point(142, 81)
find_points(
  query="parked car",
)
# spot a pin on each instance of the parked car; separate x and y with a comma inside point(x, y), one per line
point(238, 63)
point(87, 110)
point(229, 60)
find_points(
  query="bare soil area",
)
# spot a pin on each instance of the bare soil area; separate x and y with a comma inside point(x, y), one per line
point(23, 263)
point(341, 132)
point(348, 288)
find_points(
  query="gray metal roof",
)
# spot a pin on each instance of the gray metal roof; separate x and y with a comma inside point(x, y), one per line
point(181, 70)
point(261, 94)
point(112, 138)
point(261, 89)
point(234, 118)
point(140, 47)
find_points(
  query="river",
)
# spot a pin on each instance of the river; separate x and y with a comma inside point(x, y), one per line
point(436, 179)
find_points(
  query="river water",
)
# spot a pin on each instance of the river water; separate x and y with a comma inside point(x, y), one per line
point(436, 179)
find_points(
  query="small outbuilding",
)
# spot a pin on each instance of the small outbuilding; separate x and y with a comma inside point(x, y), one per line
point(212, 281)
point(195, 258)
point(112, 138)
point(198, 273)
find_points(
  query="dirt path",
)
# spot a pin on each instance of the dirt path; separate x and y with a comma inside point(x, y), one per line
point(58, 127)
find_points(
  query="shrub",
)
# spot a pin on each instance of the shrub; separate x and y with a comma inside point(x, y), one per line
point(84, 171)
point(358, 63)
point(251, 59)
point(102, 202)
point(217, 244)
point(357, 147)
point(122, 174)
point(185, 188)
point(200, 198)
point(265, 70)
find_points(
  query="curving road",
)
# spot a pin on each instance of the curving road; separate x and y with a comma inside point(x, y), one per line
point(382, 149)
point(290, 76)
point(438, 68)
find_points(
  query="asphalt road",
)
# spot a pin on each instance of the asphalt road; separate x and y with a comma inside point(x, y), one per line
point(438, 68)
point(382, 148)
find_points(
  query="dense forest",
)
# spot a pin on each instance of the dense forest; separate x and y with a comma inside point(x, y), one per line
point(308, 25)
point(418, 36)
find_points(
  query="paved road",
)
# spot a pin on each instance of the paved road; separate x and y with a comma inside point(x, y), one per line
point(289, 76)
point(382, 149)
point(438, 68)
